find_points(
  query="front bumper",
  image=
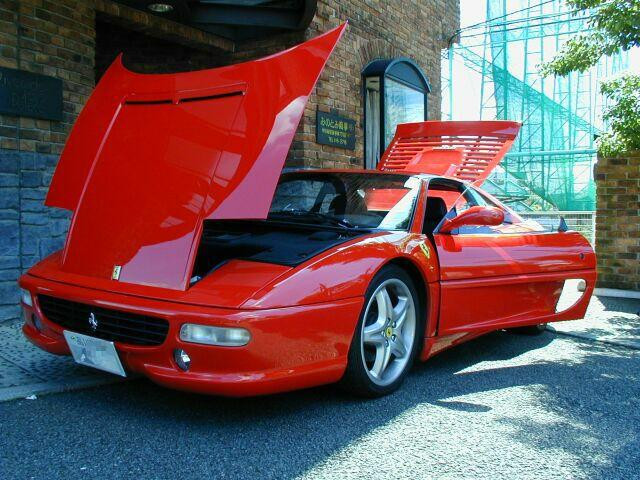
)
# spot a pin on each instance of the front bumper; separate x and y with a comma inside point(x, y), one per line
point(290, 348)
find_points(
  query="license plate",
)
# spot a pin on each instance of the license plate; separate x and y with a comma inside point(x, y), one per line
point(94, 352)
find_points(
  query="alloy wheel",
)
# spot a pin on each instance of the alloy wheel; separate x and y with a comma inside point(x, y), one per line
point(388, 332)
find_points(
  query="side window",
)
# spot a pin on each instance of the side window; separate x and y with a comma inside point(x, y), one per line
point(472, 198)
point(445, 198)
point(467, 199)
point(449, 198)
point(513, 223)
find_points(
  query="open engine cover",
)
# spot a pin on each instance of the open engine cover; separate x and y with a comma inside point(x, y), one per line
point(151, 156)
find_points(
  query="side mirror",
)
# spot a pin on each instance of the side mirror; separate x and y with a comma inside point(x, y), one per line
point(474, 216)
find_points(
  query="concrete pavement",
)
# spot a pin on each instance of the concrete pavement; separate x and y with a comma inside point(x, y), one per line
point(26, 370)
point(503, 406)
point(608, 319)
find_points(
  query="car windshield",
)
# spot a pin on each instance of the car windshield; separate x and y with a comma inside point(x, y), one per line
point(346, 200)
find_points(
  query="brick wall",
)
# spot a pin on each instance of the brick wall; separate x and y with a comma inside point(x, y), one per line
point(417, 29)
point(75, 40)
point(617, 221)
point(50, 38)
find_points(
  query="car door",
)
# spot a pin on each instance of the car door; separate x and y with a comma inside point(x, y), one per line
point(504, 275)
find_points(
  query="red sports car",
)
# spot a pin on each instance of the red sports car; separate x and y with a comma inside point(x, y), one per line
point(190, 259)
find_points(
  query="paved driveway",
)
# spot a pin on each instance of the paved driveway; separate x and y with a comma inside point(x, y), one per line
point(502, 406)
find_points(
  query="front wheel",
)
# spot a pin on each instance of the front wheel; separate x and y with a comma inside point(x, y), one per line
point(387, 337)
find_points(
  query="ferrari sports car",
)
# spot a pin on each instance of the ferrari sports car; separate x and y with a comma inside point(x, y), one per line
point(193, 260)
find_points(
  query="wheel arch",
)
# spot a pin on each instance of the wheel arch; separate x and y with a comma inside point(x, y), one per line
point(426, 304)
point(416, 276)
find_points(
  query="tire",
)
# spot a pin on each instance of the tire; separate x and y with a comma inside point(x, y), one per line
point(530, 329)
point(384, 347)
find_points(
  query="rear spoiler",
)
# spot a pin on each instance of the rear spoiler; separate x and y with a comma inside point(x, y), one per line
point(468, 151)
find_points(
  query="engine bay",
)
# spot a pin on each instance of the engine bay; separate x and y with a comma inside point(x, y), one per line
point(263, 241)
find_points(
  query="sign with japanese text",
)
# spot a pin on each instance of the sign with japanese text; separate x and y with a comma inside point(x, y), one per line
point(335, 130)
point(29, 94)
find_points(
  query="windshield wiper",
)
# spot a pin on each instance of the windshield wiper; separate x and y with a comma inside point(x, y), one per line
point(323, 217)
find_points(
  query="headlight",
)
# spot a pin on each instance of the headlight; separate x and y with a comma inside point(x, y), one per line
point(227, 337)
point(26, 297)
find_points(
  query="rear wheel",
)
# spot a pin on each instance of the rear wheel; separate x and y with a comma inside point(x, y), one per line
point(387, 337)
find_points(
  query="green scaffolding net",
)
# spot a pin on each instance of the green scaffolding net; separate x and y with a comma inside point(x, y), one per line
point(492, 72)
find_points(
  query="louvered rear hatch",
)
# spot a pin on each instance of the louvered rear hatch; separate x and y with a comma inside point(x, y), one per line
point(418, 147)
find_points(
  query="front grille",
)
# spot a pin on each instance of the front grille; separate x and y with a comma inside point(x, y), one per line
point(113, 325)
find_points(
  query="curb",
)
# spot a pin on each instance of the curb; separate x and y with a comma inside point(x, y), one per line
point(616, 293)
point(44, 388)
point(631, 345)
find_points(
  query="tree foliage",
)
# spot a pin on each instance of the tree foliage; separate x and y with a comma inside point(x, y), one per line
point(614, 27)
point(623, 116)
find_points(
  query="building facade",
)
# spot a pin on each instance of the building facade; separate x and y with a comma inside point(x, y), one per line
point(385, 70)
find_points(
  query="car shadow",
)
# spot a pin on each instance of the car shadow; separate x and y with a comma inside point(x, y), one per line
point(285, 435)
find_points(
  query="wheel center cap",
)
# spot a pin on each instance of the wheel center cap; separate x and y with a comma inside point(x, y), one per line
point(388, 332)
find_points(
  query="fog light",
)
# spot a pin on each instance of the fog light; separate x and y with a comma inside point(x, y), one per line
point(25, 296)
point(182, 359)
point(227, 337)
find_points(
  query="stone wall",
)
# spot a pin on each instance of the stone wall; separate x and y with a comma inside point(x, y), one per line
point(618, 221)
point(75, 40)
point(50, 38)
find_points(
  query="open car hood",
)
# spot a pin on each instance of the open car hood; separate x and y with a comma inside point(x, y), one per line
point(465, 150)
point(151, 156)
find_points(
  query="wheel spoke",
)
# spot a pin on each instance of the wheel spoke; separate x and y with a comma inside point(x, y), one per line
point(398, 347)
point(372, 334)
point(387, 357)
point(400, 312)
point(385, 307)
point(383, 354)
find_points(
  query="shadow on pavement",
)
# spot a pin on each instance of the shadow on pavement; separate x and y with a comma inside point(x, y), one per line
point(612, 320)
point(137, 428)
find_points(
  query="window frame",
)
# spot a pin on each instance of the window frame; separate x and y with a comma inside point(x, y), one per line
point(466, 190)
point(511, 217)
point(398, 70)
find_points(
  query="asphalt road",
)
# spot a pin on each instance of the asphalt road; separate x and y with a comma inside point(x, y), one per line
point(502, 406)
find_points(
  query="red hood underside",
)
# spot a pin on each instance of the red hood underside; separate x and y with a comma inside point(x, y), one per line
point(152, 156)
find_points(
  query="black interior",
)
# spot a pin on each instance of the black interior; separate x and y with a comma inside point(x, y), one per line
point(260, 241)
point(435, 212)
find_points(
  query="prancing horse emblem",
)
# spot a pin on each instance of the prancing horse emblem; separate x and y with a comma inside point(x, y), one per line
point(93, 321)
point(115, 274)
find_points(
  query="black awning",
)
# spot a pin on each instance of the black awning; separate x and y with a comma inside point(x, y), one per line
point(233, 19)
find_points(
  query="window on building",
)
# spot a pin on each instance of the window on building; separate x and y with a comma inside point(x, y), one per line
point(395, 91)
